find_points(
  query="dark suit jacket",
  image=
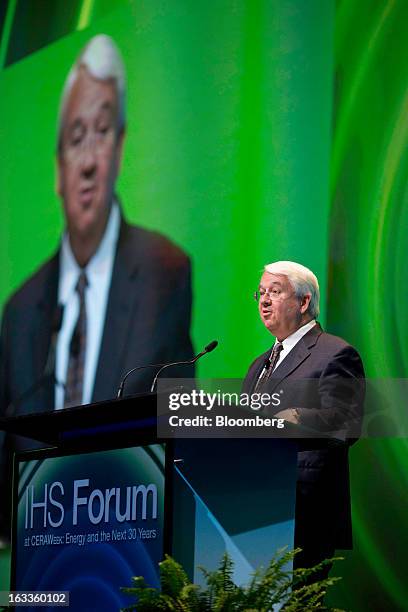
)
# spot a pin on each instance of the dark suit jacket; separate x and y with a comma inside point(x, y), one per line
point(147, 321)
point(323, 378)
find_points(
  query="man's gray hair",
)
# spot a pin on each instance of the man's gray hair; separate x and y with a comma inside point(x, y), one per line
point(302, 280)
point(102, 59)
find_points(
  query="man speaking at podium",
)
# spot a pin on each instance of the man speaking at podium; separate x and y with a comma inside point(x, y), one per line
point(324, 378)
point(114, 296)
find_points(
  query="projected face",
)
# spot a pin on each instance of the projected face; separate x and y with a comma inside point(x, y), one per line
point(280, 310)
point(89, 158)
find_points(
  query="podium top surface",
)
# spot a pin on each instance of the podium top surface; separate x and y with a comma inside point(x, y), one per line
point(112, 417)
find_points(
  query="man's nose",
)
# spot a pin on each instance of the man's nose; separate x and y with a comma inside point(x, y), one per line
point(89, 157)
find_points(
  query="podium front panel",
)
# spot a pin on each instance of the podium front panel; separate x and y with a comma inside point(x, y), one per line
point(85, 523)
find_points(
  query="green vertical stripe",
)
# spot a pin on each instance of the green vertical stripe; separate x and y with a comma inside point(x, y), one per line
point(8, 24)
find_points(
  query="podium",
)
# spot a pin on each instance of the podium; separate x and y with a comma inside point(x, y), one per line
point(104, 499)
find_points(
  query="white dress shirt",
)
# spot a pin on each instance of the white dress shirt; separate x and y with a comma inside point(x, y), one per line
point(99, 275)
point(291, 341)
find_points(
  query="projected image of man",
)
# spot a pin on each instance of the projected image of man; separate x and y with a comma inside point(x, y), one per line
point(114, 295)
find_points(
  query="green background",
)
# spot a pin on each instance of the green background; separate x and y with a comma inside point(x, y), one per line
point(257, 130)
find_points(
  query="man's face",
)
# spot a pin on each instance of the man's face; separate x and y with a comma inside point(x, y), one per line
point(89, 156)
point(280, 310)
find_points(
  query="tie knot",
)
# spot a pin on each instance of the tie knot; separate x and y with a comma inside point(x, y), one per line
point(277, 348)
point(82, 283)
point(274, 356)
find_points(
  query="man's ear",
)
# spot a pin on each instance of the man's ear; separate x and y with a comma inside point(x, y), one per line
point(304, 303)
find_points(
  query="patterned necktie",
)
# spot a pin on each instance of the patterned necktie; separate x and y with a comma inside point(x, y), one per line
point(270, 366)
point(75, 373)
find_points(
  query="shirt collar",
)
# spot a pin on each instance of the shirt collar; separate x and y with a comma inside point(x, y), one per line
point(293, 339)
point(97, 265)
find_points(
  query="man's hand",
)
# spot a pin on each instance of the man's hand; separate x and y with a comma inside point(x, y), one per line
point(289, 414)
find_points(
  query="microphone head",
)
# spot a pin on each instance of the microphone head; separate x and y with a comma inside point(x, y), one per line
point(210, 347)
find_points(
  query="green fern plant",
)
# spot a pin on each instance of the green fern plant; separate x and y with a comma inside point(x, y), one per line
point(293, 590)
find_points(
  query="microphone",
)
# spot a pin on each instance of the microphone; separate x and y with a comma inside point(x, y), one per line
point(143, 367)
point(49, 368)
point(267, 363)
point(210, 347)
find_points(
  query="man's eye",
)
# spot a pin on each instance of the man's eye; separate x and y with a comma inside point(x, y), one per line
point(76, 137)
point(76, 141)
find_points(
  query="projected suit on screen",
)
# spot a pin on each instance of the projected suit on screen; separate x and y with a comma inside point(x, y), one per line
point(114, 295)
point(322, 379)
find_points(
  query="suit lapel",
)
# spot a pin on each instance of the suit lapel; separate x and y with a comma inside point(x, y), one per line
point(254, 373)
point(122, 295)
point(297, 355)
point(45, 310)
